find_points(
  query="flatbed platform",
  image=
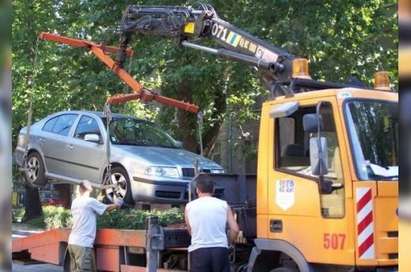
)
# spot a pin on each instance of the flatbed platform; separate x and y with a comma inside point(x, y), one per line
point(115, 249)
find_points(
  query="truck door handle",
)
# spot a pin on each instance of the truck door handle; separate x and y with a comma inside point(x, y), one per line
point(70, 146)
point(276, 225)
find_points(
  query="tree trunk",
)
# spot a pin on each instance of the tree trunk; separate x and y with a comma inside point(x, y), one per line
point(32, 204)
point(64, 193)
point(187, 122)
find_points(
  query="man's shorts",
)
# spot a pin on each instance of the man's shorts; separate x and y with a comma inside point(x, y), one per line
point(81, 258)
point(212, 259)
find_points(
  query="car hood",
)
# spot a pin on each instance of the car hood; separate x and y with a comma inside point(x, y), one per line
point(162, 156)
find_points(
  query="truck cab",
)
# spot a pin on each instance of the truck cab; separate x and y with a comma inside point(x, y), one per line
point(343, 216)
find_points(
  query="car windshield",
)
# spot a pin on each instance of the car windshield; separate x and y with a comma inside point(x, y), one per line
point(130, 131)
point(373, 127)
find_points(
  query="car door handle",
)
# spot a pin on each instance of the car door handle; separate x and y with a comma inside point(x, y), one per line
point(70, 146)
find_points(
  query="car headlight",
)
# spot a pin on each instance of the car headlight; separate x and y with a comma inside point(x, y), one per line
point(160, 171)
point(217, 171)
point(21, 140)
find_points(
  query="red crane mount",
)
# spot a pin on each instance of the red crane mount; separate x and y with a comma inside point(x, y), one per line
point(102, 52)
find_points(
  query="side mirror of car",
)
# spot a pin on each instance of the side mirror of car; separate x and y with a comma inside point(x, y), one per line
point(93, 138)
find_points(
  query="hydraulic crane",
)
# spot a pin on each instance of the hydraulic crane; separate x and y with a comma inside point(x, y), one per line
point(282, 73)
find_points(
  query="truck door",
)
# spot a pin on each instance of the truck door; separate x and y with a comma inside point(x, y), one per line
point(372, 127)
point(313, 221)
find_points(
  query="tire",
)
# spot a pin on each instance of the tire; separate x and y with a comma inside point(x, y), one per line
point(120, 177)
point(35, 174)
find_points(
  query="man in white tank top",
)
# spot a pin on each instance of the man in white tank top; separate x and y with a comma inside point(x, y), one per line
point(207, 218)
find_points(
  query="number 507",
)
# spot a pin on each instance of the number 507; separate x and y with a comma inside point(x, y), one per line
point(334, 240)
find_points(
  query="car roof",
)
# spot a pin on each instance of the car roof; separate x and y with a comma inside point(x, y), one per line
point(97, 113)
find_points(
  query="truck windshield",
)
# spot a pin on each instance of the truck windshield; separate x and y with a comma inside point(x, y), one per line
point(130, 131)
point(373, 127)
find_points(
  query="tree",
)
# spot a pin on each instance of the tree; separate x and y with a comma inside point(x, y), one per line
point(340, 38)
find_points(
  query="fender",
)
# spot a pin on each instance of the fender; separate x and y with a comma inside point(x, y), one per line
point(278, 246)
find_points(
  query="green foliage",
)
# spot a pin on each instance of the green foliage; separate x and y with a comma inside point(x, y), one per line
point(136, 219)
point(17, 215)
point(340, 38)
point(58, 217)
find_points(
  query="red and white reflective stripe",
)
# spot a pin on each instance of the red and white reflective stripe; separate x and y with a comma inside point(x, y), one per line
point(365, 223)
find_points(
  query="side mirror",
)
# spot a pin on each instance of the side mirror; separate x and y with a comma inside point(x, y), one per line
point(318, 156)
point(92, 137)
point(311, 121)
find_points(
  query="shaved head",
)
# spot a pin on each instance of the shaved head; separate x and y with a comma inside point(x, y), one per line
point(85, 186)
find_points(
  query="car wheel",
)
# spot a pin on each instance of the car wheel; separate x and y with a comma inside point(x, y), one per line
point(35, 173)
point(121, 186)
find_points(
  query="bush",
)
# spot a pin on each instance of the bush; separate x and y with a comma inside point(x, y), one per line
point(136, 219)
point(58, 217)
point(17, 215)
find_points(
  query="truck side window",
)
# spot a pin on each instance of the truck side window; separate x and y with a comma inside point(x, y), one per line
point(293, 153)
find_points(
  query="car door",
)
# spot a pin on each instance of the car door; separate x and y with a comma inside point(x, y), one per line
point(54, 141)
point(87, 159)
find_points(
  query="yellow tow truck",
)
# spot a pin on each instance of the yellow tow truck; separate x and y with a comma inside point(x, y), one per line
point(326, 191)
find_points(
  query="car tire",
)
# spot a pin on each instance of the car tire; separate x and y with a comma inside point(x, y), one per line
point(120, 178)
point(35, 174)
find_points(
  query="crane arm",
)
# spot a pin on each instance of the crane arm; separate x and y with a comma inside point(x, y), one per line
point(189, 25)
point(102, 53)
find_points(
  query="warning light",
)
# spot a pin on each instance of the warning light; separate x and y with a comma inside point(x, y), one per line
point(382, 81)
point(300, 68)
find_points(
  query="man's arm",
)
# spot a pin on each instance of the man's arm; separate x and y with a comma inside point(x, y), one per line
point(233, 226)
point(101, 208)
point(186, 220)
point(111, 207)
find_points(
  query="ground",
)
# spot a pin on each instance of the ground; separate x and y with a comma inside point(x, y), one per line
point(36, 268)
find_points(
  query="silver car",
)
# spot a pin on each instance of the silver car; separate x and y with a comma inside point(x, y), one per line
point(148, 165)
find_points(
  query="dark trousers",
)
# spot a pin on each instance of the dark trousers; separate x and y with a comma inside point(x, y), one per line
point(213, 259)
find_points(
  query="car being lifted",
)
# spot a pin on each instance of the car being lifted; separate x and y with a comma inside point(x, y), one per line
point(148, 165)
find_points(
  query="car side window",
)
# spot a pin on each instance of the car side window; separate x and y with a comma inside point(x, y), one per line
point(63, 124)
point(48, 126)
point(86, 125)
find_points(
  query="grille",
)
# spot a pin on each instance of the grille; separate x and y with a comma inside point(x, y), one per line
point(188, 172)
point(165, 194)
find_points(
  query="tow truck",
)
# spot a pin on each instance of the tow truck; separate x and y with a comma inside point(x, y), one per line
point(326, 191)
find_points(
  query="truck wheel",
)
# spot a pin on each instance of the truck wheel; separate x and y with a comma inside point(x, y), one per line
point(121, 189)
point(35, 174)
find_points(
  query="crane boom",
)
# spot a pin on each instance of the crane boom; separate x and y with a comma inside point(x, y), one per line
point(139, 91)
point(189, 25)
